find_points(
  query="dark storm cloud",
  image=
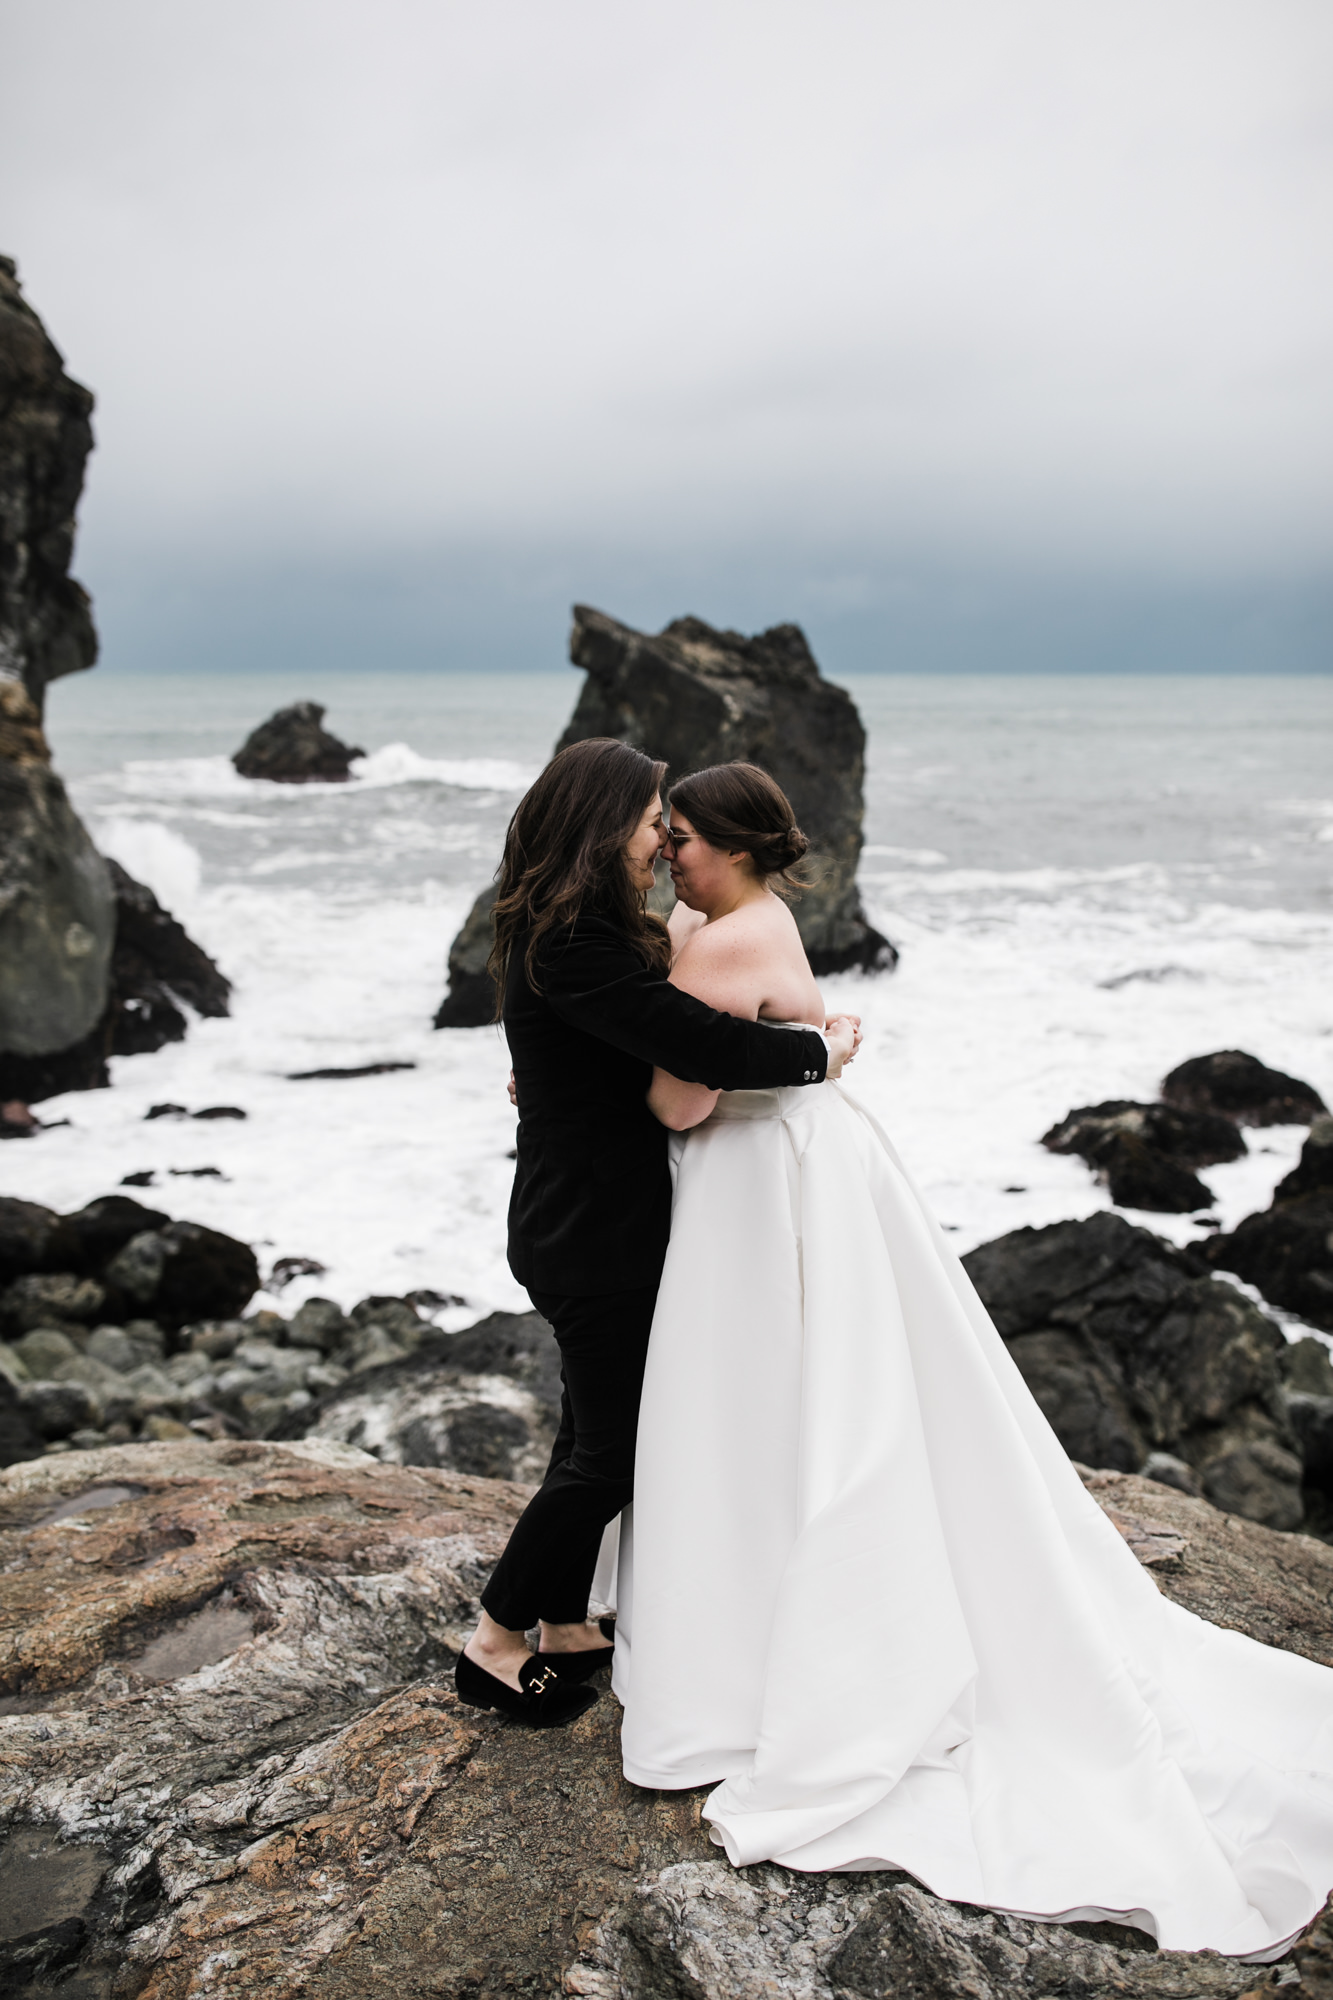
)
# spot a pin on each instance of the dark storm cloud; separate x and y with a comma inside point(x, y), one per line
point(852, 301)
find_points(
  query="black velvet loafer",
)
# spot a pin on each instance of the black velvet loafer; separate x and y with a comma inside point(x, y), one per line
point(574, 1668)
point(546, 1702)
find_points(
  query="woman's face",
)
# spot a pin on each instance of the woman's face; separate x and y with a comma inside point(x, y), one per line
point(701, 875)
point(644, 845)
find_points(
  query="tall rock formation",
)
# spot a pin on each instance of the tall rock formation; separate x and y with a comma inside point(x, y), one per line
point(89, 965)
point(57, 914)
point(46, 625)
point(695, 696)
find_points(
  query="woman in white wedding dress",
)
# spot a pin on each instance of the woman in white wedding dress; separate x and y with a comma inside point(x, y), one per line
point(862, 1590)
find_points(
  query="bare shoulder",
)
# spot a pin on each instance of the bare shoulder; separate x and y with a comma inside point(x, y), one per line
point(749, 962)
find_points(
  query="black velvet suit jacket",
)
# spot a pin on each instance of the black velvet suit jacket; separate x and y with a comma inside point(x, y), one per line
point(591, 1207)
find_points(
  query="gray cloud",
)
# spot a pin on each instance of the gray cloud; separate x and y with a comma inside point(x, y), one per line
point(858, 302)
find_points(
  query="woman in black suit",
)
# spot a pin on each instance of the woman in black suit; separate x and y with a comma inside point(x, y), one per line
point(581, 966)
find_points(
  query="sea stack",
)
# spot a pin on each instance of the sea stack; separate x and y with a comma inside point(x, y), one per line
point(694, 696)
point(294, 748)
point(57, 912)
point(86, 954)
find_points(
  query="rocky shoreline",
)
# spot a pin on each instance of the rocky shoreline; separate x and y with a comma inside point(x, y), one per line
point(232, 1762)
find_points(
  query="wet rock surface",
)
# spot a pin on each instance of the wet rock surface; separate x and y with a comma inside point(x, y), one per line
point(293, 748)
point(1240, 1087)
point(232, 1756)
point(1130, 1347)
point(694, 696)
point(1287, 1250)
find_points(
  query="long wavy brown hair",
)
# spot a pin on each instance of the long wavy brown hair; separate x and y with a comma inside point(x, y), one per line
point(565, 854)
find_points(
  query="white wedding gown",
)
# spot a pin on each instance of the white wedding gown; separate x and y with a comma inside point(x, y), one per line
point(862, 1586)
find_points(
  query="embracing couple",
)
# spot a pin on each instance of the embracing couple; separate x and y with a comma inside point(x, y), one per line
point(861, 1590)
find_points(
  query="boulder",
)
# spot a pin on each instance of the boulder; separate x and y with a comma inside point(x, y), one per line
point(233, 1763)
point(294, 748)
point(182, 1273)
point(1131, 1348)
point(1286, 1251)
point(470, 1000)
point(1240, 1087)
point(57, 913)
point(485, 1402)
point(693, 696)
point(1194, 1138)
point(154, 966)
point(1145, 1152)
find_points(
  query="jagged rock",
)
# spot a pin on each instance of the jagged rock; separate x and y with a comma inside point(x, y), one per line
point(237, 1753)
point(46, 626)
point(154, 964)
point(703, 1930)
point(1242, 1088)
point(293, 748)
point(485, 1401)
point(1287, 1249)
point(57, 916)
point(1144, 1152)
point(694, 696)
point(470, 1000)
point(1129, 1347)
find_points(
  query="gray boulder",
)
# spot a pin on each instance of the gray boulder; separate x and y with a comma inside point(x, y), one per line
point(56, 918)
point(694, 696)
point(57, 912)
point(1130, 1348)
point(294, 748)
point(484, 1402)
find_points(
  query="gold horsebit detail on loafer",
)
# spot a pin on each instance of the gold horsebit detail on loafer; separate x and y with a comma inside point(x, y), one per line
point(548, 1675)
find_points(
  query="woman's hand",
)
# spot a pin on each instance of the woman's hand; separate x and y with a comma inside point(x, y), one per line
point(513, 1091)
point(844, 1039)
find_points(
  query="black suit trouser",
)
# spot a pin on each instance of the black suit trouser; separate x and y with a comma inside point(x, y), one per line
point(547, 1568)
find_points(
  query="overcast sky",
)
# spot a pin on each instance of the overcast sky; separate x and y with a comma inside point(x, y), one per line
point(971, 333)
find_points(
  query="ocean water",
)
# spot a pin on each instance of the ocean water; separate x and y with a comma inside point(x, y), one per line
point(1089, 880)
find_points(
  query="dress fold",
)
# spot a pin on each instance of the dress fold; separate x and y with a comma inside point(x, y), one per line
point(864, 1593)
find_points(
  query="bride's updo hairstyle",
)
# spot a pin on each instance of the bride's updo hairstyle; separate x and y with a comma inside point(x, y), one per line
point(739, 807)
point(565, 854)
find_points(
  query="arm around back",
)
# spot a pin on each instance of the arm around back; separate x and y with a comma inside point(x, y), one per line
point(595, 981)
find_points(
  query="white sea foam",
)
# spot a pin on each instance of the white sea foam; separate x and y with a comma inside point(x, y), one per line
point(398, 764)
point(162, 860)
point(1066, 938)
